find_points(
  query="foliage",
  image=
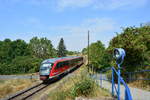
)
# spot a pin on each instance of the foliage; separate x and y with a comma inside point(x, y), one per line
point(61, 48)
point(84, 51)
point(136, 42)
point(77, 85)
point(84, 87)
point(98, 55)
point(25, 64)
point(21, 64)
point(11, 49)
point(72, 52)
point(20, 57)
point(42, 48)
point(58, 95)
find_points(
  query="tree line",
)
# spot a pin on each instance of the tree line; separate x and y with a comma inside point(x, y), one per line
point(19, 56)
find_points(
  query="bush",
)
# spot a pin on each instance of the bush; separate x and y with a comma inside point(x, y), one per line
point(82, 88)
point(25, 64)
point(79, 84)
point(21, 64)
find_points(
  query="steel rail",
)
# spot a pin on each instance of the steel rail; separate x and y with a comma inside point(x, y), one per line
point(23, 95)
point(29, 92)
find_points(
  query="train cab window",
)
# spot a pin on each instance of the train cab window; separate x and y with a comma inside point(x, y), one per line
point(46, 66)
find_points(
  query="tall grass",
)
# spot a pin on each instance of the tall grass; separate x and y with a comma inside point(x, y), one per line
point(11, 86)
point(79, 85)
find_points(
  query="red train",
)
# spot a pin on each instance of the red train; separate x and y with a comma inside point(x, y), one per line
point(53, 68)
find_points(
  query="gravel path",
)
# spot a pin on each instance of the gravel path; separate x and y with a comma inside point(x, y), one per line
point(137, 94)
point(19, 76)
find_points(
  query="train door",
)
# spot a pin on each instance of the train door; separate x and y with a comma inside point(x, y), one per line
point(57, 69)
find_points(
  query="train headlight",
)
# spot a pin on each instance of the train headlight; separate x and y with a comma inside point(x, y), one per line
point(119, 55)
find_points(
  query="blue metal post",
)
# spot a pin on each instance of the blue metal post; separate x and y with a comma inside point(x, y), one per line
point(118, 81)
point(112, 80)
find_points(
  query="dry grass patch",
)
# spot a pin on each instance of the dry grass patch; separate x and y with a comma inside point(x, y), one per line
point(140, 84)
point(11, 86)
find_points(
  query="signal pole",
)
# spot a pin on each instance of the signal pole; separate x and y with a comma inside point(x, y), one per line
point(88, 49)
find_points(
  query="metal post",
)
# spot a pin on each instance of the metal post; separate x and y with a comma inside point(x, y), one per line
point(101, 79)
point(112, 80)
point(88, 49)
point(119, 54)
point(118, 81)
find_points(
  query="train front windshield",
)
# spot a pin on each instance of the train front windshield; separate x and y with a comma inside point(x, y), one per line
point(45, 69)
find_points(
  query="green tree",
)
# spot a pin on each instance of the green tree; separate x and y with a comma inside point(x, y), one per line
point(4, 49)
point(21, 64)
point(18, 48)
point(73, 52)
point(26, 64)
point(136, 42)
point(96, 51)
point(42, 48)
point(99, 58)
point(84, 51)
point(61, 48)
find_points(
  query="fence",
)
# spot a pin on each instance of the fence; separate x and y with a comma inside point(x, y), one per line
point(120, 80)
point(132, 76)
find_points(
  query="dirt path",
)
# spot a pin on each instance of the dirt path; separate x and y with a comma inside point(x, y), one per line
point(137, 94)
point(19, 76)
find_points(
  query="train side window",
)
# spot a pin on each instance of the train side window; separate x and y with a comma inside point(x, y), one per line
point(73, 61)
point(61, 64)
point(69, 62)
point(58, 65)
point(66, 63)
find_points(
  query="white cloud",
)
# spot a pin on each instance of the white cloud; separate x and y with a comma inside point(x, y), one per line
point(73, 3)
point(116, 4)
point(61, 5)
point(76, 36)
point(100, 4)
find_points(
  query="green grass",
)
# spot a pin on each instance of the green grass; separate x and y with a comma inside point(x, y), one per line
point(2, 81)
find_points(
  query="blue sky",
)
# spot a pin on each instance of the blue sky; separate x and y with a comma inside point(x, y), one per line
point(70, 19)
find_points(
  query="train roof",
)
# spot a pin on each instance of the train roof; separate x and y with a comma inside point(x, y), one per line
point(52, 60)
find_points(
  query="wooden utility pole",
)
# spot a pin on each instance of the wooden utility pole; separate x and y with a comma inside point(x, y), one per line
point(88, 49)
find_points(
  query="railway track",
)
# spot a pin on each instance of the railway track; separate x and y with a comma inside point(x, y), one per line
point(26, 94)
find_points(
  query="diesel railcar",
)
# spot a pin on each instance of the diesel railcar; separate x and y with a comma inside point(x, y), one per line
point(53, 68)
